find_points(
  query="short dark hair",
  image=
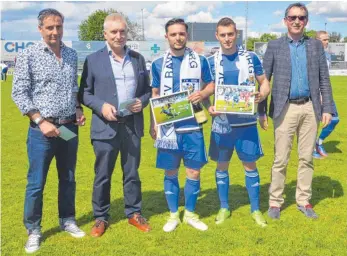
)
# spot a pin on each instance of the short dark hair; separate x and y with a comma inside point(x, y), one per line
point(225, 22)
point(175, 21)
point(48, 12)
point(299, 5)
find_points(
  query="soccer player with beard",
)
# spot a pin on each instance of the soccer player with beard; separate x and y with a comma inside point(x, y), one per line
point(179, 68)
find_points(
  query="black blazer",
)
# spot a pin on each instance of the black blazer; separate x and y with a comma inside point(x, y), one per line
point(98, 86)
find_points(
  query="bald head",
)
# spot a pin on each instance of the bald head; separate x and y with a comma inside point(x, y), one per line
point(114, 17)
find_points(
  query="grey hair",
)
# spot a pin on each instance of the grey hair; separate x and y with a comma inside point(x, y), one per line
point(321, 32)
point(298, 5)
point(48, 12)
point(115, 17)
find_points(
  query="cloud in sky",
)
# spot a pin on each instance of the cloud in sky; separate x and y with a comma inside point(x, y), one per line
point(278, 27)
point(337, 19)
point(174, 9)
point(278, 13)
point(16, 14)
point(333, 11)
point(200, 17)
point(8, 6)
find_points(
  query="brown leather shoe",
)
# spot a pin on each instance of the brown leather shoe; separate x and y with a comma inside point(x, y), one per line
point(140, 222)
point(99, 228)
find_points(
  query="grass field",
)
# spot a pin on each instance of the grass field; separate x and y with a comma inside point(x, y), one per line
point(239, 107)
point(293, 234)
point(179, 110)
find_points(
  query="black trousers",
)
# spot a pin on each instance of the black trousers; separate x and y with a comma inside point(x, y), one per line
point(106, 151)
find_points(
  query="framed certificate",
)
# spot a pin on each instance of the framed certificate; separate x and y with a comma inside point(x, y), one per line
point(234, 99)
point(171, 108)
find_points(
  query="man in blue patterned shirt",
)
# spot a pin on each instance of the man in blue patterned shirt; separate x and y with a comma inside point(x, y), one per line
point(45, 89)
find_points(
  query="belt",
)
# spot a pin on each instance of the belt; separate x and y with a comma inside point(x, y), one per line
point(300, 101)
point(124, 119)
point(63, 120)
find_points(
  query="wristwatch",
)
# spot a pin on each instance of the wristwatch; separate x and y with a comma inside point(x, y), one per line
point(38, 120)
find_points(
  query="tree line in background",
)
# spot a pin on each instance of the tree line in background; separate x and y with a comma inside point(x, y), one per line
point(266, 37)
point(91, 29)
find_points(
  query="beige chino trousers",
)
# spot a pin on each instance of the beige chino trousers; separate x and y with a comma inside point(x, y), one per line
point(300, 120)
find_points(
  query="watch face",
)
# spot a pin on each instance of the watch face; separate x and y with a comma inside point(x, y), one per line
point(38, 120)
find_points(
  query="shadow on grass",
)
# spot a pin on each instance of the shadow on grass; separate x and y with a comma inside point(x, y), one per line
point(154, 202)
point(331, 146)
point(322, 187)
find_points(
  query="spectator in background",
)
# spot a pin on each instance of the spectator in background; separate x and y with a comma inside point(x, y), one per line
point(319, 151)
point(4, 69)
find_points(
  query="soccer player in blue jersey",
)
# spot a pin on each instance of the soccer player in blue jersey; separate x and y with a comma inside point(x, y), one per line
point(232, 65)
point(179, 68)
point(319, 151)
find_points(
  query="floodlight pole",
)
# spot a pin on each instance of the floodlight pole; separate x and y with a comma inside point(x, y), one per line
point(246, 25)
point(143, 27)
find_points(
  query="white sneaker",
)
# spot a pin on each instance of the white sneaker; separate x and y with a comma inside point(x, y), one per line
point(72, 229)
point(33, 243)
point(172, 222)
point(193, 220)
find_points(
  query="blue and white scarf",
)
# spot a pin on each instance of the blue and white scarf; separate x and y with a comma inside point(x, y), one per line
point(246, 77)
point(190, 79)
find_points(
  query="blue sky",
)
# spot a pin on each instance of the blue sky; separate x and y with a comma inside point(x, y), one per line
point(18, 19)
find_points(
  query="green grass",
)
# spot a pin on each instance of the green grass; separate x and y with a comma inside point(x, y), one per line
point(179, 109)
point(239, 107)
point(292, 235)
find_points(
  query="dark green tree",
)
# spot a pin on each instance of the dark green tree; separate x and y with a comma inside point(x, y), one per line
point(91, 29)
point(345, 39)
point(250, 43)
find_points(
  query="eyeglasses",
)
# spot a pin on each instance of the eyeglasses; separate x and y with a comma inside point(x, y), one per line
point(293, 18)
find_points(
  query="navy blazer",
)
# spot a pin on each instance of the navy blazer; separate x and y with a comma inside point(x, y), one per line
point(277, 62)
point(98, 86)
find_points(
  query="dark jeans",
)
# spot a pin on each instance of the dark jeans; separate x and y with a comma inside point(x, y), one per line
point(106, 151)
point(41, 150)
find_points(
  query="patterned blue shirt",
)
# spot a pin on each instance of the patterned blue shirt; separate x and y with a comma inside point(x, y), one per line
point(45, 84)
point(299, 86)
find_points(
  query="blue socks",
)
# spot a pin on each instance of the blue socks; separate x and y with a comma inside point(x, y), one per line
point(326, 131)
point(253, 188)
point(191, 193)
point(172, 192)
point(222, 181)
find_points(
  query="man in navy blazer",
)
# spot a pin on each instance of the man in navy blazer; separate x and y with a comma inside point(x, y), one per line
point(301, 75)
point(111, 76)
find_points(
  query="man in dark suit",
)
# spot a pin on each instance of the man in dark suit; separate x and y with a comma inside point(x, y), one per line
point(112, 76)
point(300, 74)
